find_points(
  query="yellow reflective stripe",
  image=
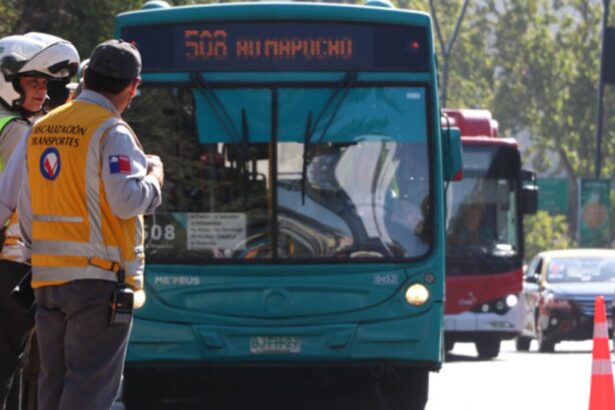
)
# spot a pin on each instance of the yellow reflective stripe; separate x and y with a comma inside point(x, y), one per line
point(73, 248)
point(13, 256)
point(3, 123)
point(5, 120)
point(40, 283)
point(64, 273)
point(93, 185)
point(57, 218)
point(59, 260)
point(11, 241)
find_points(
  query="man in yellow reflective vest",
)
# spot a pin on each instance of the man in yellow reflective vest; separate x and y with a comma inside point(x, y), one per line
point(27, 64)
point(87, 183)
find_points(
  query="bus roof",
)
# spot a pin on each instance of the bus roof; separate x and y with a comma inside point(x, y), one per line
point(477, 127)
point(473, 123)
point(273, 11)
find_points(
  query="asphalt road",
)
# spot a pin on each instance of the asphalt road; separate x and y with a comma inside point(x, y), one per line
point(514, 380)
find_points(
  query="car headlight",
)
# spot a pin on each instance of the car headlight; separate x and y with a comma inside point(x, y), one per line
point(417, 294)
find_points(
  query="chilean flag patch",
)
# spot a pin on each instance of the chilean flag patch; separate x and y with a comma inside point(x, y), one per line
point(119, 164)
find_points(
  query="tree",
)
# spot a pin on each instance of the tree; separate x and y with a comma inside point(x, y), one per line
point(546, 232)
point(446, 43)
point(548, 56)
point(84, 23)
point(466, 70)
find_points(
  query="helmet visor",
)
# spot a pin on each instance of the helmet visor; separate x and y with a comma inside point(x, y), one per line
point(64, 68)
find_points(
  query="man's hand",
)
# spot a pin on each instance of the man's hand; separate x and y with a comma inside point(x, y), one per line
point(155, 168)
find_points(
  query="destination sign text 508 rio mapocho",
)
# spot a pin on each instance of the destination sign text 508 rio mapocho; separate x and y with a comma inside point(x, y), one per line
point(279, 45)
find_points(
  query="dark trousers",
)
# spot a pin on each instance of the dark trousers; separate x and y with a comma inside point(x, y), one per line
point(82, 354)
point(16, 320)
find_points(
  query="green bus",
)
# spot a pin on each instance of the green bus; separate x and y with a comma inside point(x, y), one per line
point(302, 228)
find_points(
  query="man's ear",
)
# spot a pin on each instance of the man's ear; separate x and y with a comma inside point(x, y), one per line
point(133, 88)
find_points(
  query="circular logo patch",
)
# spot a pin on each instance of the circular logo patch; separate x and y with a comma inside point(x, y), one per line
point(50, 163)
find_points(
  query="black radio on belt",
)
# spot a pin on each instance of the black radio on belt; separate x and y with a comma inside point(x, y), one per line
point(121, 302)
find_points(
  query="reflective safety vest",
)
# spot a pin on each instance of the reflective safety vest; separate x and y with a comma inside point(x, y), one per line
point(4, 121)
point(75, 235)
point(13, 248)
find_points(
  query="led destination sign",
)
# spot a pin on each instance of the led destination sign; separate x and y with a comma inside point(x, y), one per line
point(279, 46)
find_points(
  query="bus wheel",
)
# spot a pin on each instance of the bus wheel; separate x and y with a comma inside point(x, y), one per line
point(407, 388)
point(488, 347)
point(522, 343)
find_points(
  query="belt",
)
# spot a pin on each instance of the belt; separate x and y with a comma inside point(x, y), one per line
point(105, 264)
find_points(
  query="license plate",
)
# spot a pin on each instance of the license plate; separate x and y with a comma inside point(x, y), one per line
point(275, 344)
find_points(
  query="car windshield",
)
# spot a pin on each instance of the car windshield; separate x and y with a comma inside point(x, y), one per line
point(581, 269)
point(346, 179)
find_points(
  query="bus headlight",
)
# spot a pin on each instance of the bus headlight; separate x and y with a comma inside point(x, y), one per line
point(512, 300)
point(417, 294)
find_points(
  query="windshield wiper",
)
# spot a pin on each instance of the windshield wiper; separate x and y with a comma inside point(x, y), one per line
point(306, 140)
point(239, 140)
point(344, 86)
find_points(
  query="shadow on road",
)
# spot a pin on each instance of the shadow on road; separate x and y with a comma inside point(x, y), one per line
point(456, 357)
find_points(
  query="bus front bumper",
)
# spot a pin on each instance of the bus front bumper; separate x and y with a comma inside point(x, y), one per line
point(409, 340)
point(509, 324)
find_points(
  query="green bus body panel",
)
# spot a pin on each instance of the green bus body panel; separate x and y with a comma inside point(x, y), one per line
point(410, 339)
point(296, 103)
point(262, 294)
point(339, 312)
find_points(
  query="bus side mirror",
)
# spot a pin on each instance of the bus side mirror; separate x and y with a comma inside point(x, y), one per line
point(451, 154)
point(529, 193)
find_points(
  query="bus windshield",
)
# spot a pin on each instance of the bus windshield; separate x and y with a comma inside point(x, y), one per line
point(482, 222)
point(287, 173)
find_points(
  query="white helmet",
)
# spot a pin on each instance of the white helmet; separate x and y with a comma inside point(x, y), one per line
point(35, 54)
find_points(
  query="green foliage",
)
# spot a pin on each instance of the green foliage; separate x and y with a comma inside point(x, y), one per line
point(535, 65)
point(85, 23)
point(545, 232)
point(549, 54)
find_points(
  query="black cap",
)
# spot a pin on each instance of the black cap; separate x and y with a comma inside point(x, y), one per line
point(116, 59)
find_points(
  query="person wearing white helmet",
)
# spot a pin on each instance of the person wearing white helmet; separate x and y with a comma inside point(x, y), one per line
point(27, 63)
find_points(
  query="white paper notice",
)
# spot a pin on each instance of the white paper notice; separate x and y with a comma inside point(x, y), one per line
point(216, 230)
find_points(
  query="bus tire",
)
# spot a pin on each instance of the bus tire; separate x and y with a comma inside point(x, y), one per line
point(522, 343)
point(407, 388)
point(488, 347)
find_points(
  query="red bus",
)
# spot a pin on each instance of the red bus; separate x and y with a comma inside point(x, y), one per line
point(484, 254)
